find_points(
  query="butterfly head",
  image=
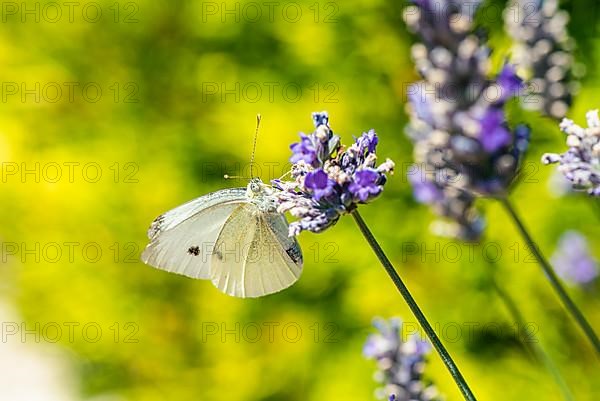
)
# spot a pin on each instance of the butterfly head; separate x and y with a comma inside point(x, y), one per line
point(261, 195)
point(256, 189)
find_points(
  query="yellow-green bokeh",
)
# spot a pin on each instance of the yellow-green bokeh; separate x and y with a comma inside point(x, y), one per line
point(174, 143)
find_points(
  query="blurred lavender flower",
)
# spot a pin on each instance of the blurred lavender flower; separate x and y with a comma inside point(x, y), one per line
point(457, 119)
point(542, 52)
point(328, 180)
point(424, 191)
point(573, 260)
point(400, 363)
point(461, 218)
point(580, 164)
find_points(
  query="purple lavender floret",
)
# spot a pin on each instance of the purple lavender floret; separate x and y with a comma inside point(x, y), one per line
point(334, 182)
point(365, 185)
point(303, 150)
point(493, 134)
point(367, 142)
point(580, 164)
point(509, 82)
point(400, 361)
point(573, 260)
point(318, 183)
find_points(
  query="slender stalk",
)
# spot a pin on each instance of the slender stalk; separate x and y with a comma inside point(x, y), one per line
point(412, 304)
point(532, 343)
point(551, 275)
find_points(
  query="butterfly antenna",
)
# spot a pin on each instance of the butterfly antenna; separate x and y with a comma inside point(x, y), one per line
point(232, 177)
point(254, 146)
point(286, 174)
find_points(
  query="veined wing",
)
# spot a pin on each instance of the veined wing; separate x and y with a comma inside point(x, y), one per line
point(182, 239)
point(254, 255)
point(181, 213)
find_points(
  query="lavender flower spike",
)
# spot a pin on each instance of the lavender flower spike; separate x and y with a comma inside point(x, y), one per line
point(573, 260)
point(580, 164)
point(400, 362)
point(542, 51)
point(457, 120)
point(329, 181)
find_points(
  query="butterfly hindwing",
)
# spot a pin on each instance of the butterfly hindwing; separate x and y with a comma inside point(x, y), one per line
point(182, 239)
point(253, 255)
point(278, 226)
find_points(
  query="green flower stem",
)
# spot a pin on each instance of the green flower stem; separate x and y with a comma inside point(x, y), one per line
point(412, 304)
point(532, 343)
point(551, 275)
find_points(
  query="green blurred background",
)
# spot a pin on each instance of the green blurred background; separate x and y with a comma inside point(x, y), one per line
point(163, 131)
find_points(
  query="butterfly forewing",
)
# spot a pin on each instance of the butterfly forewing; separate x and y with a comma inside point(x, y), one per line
point(176, 216)
point(253, 255)
point(182, 240)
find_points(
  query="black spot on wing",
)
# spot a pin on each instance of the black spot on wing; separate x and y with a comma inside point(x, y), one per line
point(294, 253)
point(194, 250)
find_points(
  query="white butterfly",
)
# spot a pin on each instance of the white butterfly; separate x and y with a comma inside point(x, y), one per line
point(233, 237)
